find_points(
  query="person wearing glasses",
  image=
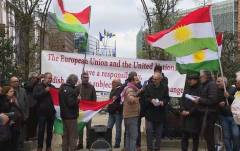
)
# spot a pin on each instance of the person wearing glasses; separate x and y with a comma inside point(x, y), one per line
point(45, 111)
point(87, 92)
point(23, 103)
point(157, 97)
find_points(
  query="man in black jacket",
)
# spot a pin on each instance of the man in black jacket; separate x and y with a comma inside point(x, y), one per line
point(115, 110)
point(45, 111)
point(69, 109)
point(191, 118)
point(208, 104)
point(157, 97)
point(230, 128)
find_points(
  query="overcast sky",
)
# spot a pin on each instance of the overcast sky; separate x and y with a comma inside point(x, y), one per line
point(122, 17)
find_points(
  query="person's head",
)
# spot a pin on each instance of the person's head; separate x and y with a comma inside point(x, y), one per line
point(205, 76)
point(158, 68)
point(192, 80)
point(72, 79)
point(14, 82)
point(116, 82)
point(132, 77)
point(238, 74)
point(221, 81)
point(33, 76)
point(237, 84)
point(157, 77)
point(85, 78)
point(8, 91)
point(47, 78)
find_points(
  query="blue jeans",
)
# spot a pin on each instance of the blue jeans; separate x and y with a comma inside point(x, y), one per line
point(42, 123)
point(131, 130)
point(154, 130)
point(112, 119)
point(230, 133)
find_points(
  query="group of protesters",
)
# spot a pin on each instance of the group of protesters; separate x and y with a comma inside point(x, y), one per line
point(27, 111)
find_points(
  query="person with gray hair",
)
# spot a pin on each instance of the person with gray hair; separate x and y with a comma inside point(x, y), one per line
point(230, 128)
point(69, 111)
point(208, 105)
point(45, 111)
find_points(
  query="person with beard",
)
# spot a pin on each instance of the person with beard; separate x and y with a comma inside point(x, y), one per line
point(115, 110)
point(87, 92)
point(69, 111)
point(208, 105)
point(45, 111)
point(131, 111)
point(191, 117)
point(230, 128)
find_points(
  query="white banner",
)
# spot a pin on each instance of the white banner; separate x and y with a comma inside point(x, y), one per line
point(102, 70)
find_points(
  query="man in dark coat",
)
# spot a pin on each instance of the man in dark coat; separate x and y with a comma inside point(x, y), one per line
point(115, 110)
point(157, 97)
point(87, 92)
point(230, 128)
point(208, 104)
point(45, 110)
point(69, 109)
point(191, 118)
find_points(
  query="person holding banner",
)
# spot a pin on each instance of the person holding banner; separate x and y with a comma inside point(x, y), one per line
point(191, 117)
point(115, 110)
point(208, 104)
point(69, 109)
point(87, 92)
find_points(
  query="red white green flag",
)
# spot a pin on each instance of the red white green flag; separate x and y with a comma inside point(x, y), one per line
point(69, 21)
point(201, 60)
point(192, 33)
point(87, 110)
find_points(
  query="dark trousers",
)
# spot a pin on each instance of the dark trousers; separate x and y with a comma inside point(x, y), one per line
point(69, 139)
point(42, 123)
point(17, 140)
point(154, 131)
point(88, 127)
point(5, 146)
point(185, 138)
point(209, 132)
point(32, 123)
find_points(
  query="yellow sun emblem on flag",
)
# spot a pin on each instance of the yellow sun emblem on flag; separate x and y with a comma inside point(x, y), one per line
point(182, 33)
point(199, 56)
point(70, 19)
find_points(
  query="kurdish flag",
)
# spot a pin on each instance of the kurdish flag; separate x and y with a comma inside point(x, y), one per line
point(203, 59)
point(71, 21)
point(193, 32)
point(87, 109)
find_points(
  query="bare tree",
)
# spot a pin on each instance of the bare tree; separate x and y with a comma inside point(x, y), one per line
point(159, 17)
point(25, 15)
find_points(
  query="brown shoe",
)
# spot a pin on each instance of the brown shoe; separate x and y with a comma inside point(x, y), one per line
point(39, 149)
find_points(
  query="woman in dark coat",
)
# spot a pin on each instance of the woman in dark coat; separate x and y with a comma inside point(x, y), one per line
point(9, 105)
point(191, 118)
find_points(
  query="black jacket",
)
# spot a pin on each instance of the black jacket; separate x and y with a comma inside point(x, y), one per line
point(29, 86)
point(45, 105)
point(116, 106)
point(152, 113)
point(68, 101)
point(226, 110)
point(192, 122)
point(208, 97)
